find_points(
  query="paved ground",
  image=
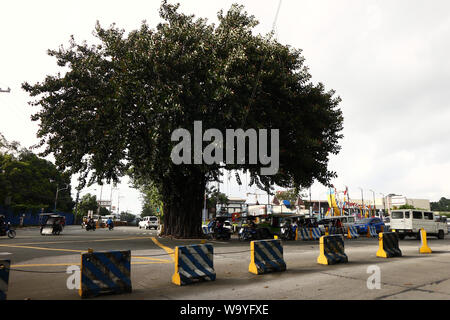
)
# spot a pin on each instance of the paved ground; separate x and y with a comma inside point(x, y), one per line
point(39, 266)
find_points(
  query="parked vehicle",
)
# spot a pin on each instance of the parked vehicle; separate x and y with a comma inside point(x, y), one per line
point(409, 223)
point(288, 232)
point(149, 222)
point(246, 233)
point(52, 223)
point(387, 223)
point(346, 221)
point(272, 224)
point(218, 229)
point(364, 224)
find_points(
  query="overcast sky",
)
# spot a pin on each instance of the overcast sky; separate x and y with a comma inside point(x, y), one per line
point(387, 60)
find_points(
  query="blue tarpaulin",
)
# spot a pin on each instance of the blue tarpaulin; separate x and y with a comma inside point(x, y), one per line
point(30, 218)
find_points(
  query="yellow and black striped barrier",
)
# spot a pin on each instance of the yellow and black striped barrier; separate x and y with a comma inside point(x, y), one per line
point(424, 248)
point(194, 263)
point(266, 256)
point(332, 250)
point(4, 278)
point(388, 245)
point(105, 273)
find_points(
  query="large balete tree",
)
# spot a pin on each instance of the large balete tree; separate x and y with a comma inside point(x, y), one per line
point(114, 110)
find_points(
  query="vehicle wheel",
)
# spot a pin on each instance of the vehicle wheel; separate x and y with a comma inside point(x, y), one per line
point(401, 236)
point(11, 234)
point(440, 234)
point(417, 236)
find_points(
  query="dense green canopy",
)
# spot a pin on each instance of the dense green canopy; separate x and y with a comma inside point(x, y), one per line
point(115, 109)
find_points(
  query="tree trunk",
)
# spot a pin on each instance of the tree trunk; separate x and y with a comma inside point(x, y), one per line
point(183, 203)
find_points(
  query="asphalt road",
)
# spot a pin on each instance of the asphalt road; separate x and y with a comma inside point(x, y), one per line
point(39, 265)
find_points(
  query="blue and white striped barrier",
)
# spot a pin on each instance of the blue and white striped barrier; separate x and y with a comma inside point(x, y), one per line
point(266, 256)
point(352, 232)
point(303, 234)
point(332, 230)
point(194, 263)
point(372, 232)
point(4, 278)
point(315, 233)
point(105, 273)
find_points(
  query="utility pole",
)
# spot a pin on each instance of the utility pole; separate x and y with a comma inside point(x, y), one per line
point(76, 207)
point(374, 204)
point(362, 200)
point(57, 191)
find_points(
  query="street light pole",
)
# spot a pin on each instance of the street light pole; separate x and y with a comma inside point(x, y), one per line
point(374, 204)
point(384, 203)
point(57, 192)
point(362, 201)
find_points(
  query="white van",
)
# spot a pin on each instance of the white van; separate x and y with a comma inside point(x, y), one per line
point(409, 223)
point(149, 222)
point(329, 221)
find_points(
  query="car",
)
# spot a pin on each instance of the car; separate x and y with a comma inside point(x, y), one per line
point(346, 222)
point(362, 225)
point(149, 222)
point(410, 222)
point(387, 222)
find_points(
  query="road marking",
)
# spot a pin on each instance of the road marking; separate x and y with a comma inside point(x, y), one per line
point(148, 258)
point(4, 253)
point(169, 251)
point(52, 242)
point(50, 249)
point(77, 264)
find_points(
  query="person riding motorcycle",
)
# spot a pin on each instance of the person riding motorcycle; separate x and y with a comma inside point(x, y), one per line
point(90, 224)
point(110, 223)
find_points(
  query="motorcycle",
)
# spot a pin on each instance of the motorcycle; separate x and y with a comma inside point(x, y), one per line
point(221, 234)
point(288, 232)
point(8, 232)
point(246, 233)
point(90, 226)
point(110, 226)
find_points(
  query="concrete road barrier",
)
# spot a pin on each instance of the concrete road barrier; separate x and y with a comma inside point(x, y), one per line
point(372, 232)
point(105, 273)
point(388, 245)
point(194, 263)
point(303, 234)
point(332, 250)
point(315, 233)
point(266, 257)
point(4, 278)
point(352, 232)
point(424, 248)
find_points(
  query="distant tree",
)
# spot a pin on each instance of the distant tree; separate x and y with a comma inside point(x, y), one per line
point(30, 182)
point(148, 210)
point(104, 211)
point(126, 216)
point(214, 197)
point(442, 205)
point(88, 202)
point(406, 206)
point(290, 194)
point(117, 103)
point(152, 199)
